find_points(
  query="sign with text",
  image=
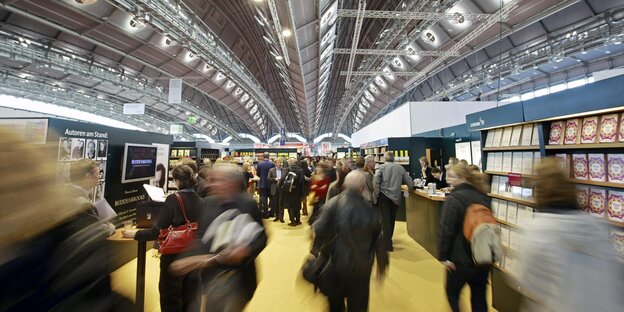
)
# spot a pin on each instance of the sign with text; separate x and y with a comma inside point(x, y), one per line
point(176, 129)
point(515, 179)
point(175, 91)
point(134, 109)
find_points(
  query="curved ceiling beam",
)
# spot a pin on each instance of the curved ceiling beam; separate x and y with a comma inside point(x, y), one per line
point(102, 45)
point(206, 42)
point(329, 135)
point(243, 135)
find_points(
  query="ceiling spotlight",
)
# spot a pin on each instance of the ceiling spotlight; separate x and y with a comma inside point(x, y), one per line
point(136, 22)
point(459, 18)
point(258, 1)
point(430, 37)
point(286, 32)
point(86, 1)
point(279, 57)
point(170, 41)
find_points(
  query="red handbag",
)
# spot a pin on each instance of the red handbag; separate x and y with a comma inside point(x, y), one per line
point(174, 240)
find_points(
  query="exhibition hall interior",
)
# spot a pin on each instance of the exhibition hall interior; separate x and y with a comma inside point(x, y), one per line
point(312, 155)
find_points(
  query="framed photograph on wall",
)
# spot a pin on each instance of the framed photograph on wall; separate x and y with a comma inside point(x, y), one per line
point(77, 148)
point(90, 149)
point(64, 148)
point(102, 149)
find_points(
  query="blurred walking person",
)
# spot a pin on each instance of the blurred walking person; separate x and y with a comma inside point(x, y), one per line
point(349, 233)
point(567, 261)
point(387, 184)
point(453, 248)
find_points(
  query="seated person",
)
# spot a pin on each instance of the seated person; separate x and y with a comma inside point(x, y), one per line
point(436, 174)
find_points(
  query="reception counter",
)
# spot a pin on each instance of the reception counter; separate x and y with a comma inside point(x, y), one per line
point(423, 219)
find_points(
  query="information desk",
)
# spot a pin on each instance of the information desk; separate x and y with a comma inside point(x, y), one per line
point(140, 280)
point(423, 219)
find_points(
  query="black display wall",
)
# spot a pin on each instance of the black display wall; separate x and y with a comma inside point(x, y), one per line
point(123, 198)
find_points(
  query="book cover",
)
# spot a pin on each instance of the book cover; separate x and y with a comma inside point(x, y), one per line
point(489, 165)
point(498, 135)
point(608, 128)
point(516, 192)
point(615, 168)
point(597, 201)
point(535, 136)
point(615, 206)
point(495, 203)
point(516, 165)
point(527, 194)
point(502, 210)
point(527, 163)
point(503, 187)
point(582, 197)
point(495, 182)
point(564, 163)
point(597, 167)
point(516, 135)
point(621, 127)
point(589, 130)
point(512, 211)
point(505, 236)
point(506, 139)
point(537, 157)
point(527, 132)
point(617, 241)
point(489, 139)
point(556, 133)
point(579, 166)
point(498, 161)
point(572, 127)
point(507, 161)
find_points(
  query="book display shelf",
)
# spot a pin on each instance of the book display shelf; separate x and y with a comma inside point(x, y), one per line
point(401, 157)
point(174, 156)
point(589, 148)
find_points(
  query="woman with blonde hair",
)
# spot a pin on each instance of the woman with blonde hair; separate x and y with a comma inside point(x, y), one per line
point(568, 263)
point(453, 249)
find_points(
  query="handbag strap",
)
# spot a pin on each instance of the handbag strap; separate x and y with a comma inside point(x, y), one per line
point(182, 207)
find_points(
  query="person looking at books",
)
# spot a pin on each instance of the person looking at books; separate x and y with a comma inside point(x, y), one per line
point(568, 262)
point(453, 249)
point(177, 293)
point(436, 174)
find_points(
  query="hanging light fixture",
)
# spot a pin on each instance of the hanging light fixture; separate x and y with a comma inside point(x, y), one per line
point(86, 1)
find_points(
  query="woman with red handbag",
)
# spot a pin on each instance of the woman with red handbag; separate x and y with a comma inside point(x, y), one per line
point(181, 210)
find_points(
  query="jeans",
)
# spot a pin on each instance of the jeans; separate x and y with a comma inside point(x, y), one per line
point(264, 196)
point(477, 279)
point(388, 211)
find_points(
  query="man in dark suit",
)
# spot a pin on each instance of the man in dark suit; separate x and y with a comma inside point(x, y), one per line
point(263, 185)
point(293, 194)
point(275, 179)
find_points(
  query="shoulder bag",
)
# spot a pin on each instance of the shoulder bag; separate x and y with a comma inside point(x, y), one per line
point(174, 240)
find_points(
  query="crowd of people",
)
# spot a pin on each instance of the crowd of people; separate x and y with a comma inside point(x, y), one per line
point(54, 256)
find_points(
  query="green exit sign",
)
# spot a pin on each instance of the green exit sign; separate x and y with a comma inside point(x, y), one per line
point(192, 119)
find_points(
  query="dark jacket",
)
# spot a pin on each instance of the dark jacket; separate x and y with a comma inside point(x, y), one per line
point(452, 245)
point(297, 192)
point(355, 225)
point(171, 214)
point(276, 184)
point(262, 170)
point(65, 268)
point(439, 183)
point(213, 208)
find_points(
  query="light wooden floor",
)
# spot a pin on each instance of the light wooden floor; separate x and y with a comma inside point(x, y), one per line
point(414, 283)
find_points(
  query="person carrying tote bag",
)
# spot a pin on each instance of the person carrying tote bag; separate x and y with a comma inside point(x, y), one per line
point(180, 211)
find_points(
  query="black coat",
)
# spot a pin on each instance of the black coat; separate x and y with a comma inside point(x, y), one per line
point(213, 208)
point(355, 225)
point(171, 214)
point(292, 199)
point(452, 245)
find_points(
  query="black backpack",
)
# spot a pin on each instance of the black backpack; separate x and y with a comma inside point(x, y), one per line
point(290, 182)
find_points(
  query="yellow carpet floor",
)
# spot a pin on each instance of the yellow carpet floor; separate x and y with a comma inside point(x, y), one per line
point(415, 280)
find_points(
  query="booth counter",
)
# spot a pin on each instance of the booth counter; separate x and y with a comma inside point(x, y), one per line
point(423, 219)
